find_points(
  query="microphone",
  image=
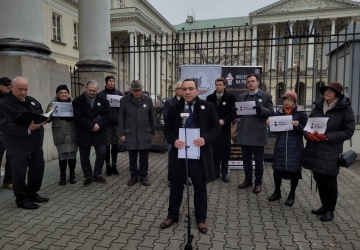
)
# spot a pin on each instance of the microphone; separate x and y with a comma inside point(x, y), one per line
point(184, 115)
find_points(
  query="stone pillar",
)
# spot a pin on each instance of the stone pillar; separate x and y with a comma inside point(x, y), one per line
point(310, 52)
point(333, 26)
point(290, 49)
point(254, 46)
point(22, 29)
point(157, 89)
point(94, 37)
point(142, 59)
point(272, 49)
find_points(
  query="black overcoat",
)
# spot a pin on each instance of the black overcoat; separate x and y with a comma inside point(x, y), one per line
point(222, 145)
point(206, 119)
point(85, 118)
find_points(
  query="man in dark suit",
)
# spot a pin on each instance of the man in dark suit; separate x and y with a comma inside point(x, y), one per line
point(201, 171)
point(91, 115)
point(224, 103)
point(23, 143)
point(252, 132)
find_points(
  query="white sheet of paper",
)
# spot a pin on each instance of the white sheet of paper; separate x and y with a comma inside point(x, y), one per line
point(281, 123)
point(114, 100)
point(245, 108)
point(63, 109)
point(193, 152)
point(318, 124)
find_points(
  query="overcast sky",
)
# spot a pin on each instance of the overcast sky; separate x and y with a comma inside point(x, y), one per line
point(175, 11)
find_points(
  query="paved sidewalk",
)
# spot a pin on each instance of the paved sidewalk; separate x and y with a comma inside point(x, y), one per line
point(115, 216)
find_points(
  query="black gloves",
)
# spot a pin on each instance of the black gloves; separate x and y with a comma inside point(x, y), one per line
point(233, 111)
point(258, 108)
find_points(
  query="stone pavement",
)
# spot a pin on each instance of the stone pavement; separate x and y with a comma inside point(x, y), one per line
point(115, 216)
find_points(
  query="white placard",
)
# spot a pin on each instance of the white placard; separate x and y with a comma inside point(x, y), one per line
point(245, 108)
point(63, 109)
point(318, 124)
point(280, 123)
point(193, 152)
point(114, 100)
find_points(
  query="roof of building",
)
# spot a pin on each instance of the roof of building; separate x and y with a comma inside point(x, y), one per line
point(213, 23)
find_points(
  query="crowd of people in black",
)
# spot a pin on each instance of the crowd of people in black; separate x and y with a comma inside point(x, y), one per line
point(107, 120)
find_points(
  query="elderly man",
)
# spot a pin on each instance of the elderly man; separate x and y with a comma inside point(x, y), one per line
point(5, 87)
point(252, 132)
point(23, 143)
point(91, 115)
point(137, 126)
point(202, 115)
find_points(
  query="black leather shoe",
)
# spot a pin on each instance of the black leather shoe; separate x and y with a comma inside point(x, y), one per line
point(28, 205)
point(290, 200)
point(144, 181)
point(226, 178)
point(217, 176)
point(327, 216)
point(275, 196)
point(132, 181)
point(318, 211)
point(245, 184)
point(167, 223)
point(38, 199)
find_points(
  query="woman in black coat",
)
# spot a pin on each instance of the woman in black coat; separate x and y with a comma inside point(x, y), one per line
point(288, 148)
point(322, 151)
point(112, 129)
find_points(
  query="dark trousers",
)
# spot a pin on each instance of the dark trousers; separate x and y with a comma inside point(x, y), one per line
point(198, 177)
point(224, 167)
point(85, 160)
point(113, 152)
point(7, 175)
point(143, 162)
point(328, 190)
point(247, 152)
point(32, 163)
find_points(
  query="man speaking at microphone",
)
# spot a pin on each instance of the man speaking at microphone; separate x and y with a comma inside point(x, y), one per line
point(202, 115)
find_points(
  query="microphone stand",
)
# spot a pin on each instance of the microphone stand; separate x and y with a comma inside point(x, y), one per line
point(188, 245)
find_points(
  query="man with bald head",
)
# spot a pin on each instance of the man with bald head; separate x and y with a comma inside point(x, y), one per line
point(23, 144)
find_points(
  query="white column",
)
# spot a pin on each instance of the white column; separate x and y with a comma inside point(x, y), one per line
point(136, 58)
point(152, 67)
point(132, 56)
point(333, 26)
point(310, 49)
point(254, 46)
point(290, 49)
point(94, 36)
point(272, 49)
point(158, 72)
point(22, 29)
point(142, 59)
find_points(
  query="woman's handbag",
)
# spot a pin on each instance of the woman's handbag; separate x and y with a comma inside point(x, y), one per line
point(348, 158)
point(121, 147)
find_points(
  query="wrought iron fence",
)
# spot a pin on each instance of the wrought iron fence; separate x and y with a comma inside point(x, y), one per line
point(76, 85)
point(300, 56)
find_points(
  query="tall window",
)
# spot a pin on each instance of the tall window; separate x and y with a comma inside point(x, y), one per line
point(119, 4)
point(56, 23)
point(76, 35)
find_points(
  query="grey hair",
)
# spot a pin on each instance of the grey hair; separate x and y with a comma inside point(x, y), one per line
point(14, 80)
point(92, 82)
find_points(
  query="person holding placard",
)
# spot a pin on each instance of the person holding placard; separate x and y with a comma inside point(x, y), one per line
point(252, 132)
point(63, 131)
point(112, 129)
point(322, 151)
point(288, 148)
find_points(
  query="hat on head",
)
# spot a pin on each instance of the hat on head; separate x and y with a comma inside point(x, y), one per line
point(5, 81)
point(290, 94)
point(135, 85)
point(108, 78)
point(337, 87)
point(62, 87)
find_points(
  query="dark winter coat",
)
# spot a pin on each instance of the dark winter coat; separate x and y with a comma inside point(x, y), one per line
point(63, 131)
point(222, 145)
point(85, 118)
point(167, 104)
point(289, 144)
point(137, 122)
point(16, 138)
point(252, 129)
point(206, 119)
point(114, 120)
point(2, 96)
point(323, 157)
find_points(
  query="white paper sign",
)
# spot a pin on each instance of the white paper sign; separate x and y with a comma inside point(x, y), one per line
point(114, 100)
point(193, 152)
point(318, 124)
point(63, 109)
point(245, 108)
point(280, 123)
